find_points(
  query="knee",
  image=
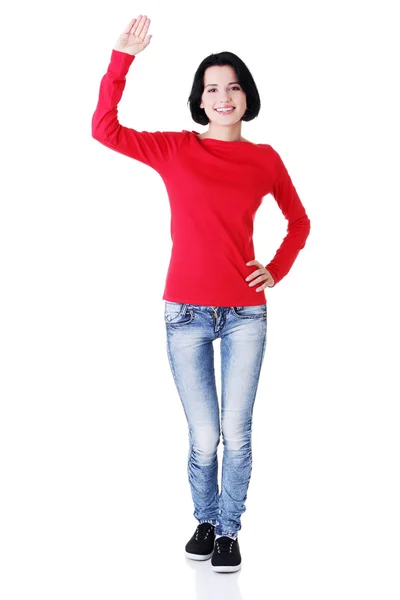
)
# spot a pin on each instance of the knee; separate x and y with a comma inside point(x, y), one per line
point(237, 439)
point(205, 444)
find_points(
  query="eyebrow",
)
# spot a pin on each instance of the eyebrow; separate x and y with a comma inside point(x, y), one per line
point(217, 83)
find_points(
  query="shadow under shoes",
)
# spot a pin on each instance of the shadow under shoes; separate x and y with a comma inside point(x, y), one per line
point(226, 557)
point(201, 544)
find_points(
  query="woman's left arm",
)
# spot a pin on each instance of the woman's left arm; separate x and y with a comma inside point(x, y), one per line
point(298, 227)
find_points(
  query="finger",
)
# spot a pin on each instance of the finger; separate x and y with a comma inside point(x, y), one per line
point(254, 262)
point(267, 283)
point(130, 25)
point(258, 280)
point(147, 41)
point(146, 26)
point(141, 31)
point(253, 274)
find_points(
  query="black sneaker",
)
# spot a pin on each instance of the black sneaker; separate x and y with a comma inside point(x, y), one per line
point(226, 556)
point(201, 544)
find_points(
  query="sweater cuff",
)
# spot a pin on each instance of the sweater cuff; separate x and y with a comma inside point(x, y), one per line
point(120, 62)
point(273, 275)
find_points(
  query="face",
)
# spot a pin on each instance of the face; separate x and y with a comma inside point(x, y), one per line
point(221, 88)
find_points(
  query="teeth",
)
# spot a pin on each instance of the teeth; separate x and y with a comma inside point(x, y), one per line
point(223, 109)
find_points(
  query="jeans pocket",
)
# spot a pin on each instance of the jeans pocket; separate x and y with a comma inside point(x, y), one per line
point(250, 312)
point(176, 313)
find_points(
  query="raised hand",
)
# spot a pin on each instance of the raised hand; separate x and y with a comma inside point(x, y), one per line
point(133, 39)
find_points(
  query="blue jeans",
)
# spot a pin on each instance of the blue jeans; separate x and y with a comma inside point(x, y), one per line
point(190, 332)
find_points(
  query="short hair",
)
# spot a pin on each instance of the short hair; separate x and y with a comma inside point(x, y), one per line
point(244, 77)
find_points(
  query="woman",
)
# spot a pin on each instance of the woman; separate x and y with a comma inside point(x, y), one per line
point(214, 287)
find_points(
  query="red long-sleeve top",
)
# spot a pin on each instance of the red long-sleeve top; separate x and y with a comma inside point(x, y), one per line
point(214, 188)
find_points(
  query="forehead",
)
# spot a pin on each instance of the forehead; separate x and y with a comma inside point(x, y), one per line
point(219, 73)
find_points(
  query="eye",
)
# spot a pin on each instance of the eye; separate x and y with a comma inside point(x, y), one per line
point(234, 87)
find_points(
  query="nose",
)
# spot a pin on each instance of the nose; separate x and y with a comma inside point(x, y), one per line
point(224, 95)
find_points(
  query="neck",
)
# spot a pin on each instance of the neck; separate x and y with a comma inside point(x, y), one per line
point(231, 133)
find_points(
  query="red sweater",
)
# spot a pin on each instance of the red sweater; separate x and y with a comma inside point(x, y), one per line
point(214, 188)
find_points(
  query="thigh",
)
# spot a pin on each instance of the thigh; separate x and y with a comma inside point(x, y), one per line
point(191, 356)
point(242, 352)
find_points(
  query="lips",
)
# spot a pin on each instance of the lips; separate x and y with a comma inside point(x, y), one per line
point(227, 111)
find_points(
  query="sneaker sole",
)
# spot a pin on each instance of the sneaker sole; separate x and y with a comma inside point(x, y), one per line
point(226, 569)
point(198, 556)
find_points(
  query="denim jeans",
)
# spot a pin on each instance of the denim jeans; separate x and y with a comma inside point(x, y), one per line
point(190, 332)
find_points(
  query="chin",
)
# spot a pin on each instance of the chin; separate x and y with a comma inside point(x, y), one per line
point(225, 120)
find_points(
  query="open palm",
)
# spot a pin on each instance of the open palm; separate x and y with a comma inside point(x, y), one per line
point(133, 39)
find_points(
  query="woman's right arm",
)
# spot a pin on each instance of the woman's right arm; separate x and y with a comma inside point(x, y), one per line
point(151, 148)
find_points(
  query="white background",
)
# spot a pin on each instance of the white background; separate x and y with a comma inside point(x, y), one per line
point(95, 501)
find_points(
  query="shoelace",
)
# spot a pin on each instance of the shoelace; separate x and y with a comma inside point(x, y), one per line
point(224, 544)
point(203, 531)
